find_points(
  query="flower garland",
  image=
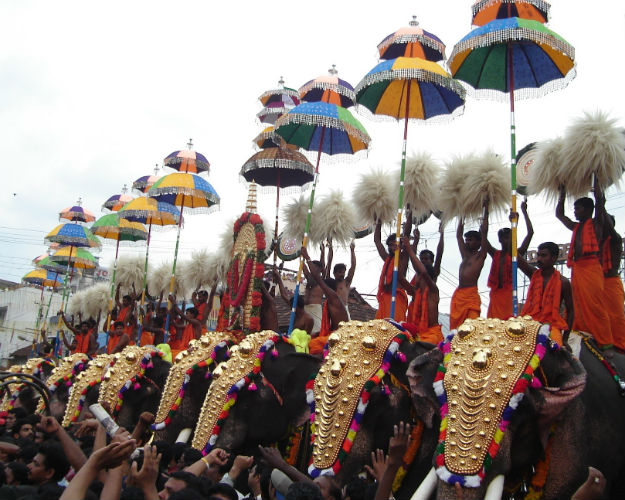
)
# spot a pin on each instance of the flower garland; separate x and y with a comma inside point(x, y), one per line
point(255, 273)
point(391, 353)
point(83, 396)
point(473, 481)
point(67, 378)
point(409, 455)
point(248, 381)
point(146, 363)
point(619, 381)
point(539, 478)
point(187, 377)
point(292, 447)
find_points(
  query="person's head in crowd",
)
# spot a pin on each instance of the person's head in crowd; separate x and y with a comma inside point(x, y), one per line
point(329, 488)
point(131, 493)
point(15, 473)
point(358, 489)
point(49, 491)
point(303, 491)
point(185, 494)
point(190, 456)
point(267, 488)
point(222, 492)
point(13, 415)
point(23, 429)
point(28, 450)
point(48, 465)
point(166, 451)
point(178, 481)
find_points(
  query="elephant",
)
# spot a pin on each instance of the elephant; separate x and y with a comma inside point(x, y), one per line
point(270, 395)
point(572, 421)
point(60, 382)
point(21, 393)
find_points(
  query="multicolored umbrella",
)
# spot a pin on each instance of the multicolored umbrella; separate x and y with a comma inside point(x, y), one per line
point(329, 88)
point(412, 41)
point(117, 201)
point(43, 278)
point(283, 95)
point(74, 235)
point(187, 160)
point(78, 258)
point(408, 88)
point(325, 128)
point(271, 112)
point(76, 213)
point(268, 139)
point(519, 58)
point(145, 182)
point(50, 265)
point(485, 11)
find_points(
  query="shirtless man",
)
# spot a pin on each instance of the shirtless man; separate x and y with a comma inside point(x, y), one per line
point(500, 277)
point(203, 302)
point(313, 297)
point(385, 284)
point(613, 294)
point(268, 311)
point(118, 338)
point(303, 320)
point(428, 327)
point(586, 273)
point(85, 340)
point(465, 302)
point(344, 283)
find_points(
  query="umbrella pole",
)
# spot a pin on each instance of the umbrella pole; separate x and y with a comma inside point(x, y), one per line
point(107, 323)
point(400, 205)
point(39, 315)
point(145, 279)
point(275, 230)
point(305, 240)
point(67, 285)
point(173, 274)
point(515, 217)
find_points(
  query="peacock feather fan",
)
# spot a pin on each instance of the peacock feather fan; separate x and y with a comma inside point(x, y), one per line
point(375, 197)
point(420, 183)
point(593, 144)
point(334, 220)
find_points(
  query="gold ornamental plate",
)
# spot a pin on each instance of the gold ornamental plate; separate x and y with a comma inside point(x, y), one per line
point(225, 375)
point(199, 350)
point(356, 352)
point(65, 368)
point(487, 358)
point(93, 373)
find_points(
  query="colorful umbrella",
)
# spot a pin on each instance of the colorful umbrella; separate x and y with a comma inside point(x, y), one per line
point(412, 41)
point(518, 57)
point(403, 89)
point(43, 278)
point(74, 235)
point(117, 201)
point(268, 139)
point(74, 257)
point(271, 112)
point(185, 191)
point(50, 265)
point(329, 88)
point(187, 160)
point(279, 167)
point(485, 11)
point(145, 182)
point(76, 213)
point(283, 95)
point(325, 128)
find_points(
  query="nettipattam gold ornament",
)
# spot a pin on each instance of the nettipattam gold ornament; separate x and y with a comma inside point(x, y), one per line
point(356, 352)
point(94, 372)
point(487, 358)
point(241, 362)
point(199, 350)
point(62, 372)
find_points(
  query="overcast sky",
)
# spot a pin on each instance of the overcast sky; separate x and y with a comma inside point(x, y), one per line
point(94, 94)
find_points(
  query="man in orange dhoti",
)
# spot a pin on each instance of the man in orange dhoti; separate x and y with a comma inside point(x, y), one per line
point(126, 313)
point(500, 276)
point(385, 286)
point(465, 302)
point(118, 338)
point(586, 272)
point(203, 302)
point(613, 295)
point(547, 290)
point(192, 329)
point(424, 313)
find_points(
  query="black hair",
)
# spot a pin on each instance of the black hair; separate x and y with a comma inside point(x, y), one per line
point(19, 412)
point(585, 202)
point(166, 451)
point(303, 491)
point(335, 490)
point(390, 238)
point(118, 323)
point(316, 263)
point(185, 494)
point(193, 311)
point(54, 458)
point(20, 472)
point(338, 267)
point(502, 231)
point(331, 282)
point(191, 480)
point(356, 489)
point(190, 455)
point(158, 322)
point(551, 247)
point(19, 424)
point(223, 489)
point(427, 252)
point(301, 302)
point(473, 234)
point(127, 297)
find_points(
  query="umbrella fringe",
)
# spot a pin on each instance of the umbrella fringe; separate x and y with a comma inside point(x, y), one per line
point(422, 75)
point(433, 120)
point(411, 38)
point(290, 190)
point(324, 121)
point(482, 4)
point(334, 87)
point(278, 163)
point(187, 191)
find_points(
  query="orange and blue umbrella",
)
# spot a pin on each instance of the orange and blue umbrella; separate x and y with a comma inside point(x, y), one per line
point(50, 265)
point(412, 41)
point(188, 161)
point(74, 257)
point(485, 11)
point(329, 88)
point(113, 227)
point(76, 213)
point(145, 182)
point(73, 235)
point(187, 191)
point(283, 95)
point(150, 212)
point(43, 278)
point(517, 58)
point(116, 202)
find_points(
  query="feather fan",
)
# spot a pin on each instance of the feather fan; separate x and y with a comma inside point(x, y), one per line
point(195, 273)
point(76, 303)
point(159, 278)
point(96, 300)
point(451, 182)
point(420, 183)
point(545, 174)
point(269, 233)
point(130, 272)
point(592, 145)
point(487, 175)
point(334, 220)
point(223, 256)
point(294, 216)
point(375, 197)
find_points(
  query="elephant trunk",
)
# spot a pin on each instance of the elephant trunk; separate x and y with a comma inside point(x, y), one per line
point(495, 488)
point(427, 486)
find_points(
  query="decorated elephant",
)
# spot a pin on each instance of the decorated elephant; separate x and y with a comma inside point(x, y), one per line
point(187, 383)
point(60, 382)
point(25, 387)
point(256, 396)
point(518, 414)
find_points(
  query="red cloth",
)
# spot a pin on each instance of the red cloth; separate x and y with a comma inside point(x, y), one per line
point(587, 282)
point(590, 247)
point(544, 305)
point(493, 276)
point(606, 255)
point(326, 321)
point(465, 303)
point(613, 299)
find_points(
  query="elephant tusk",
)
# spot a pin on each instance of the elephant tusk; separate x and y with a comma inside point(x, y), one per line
point(427, 486)
point(184, 435)
point(495, 488)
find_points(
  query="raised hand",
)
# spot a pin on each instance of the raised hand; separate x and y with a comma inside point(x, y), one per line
point(399, 442)
point(148, 474)
point(379, 461)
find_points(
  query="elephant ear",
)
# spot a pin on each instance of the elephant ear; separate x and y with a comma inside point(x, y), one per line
point(421, 373)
